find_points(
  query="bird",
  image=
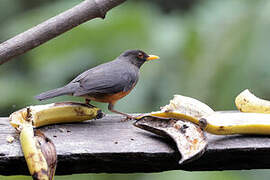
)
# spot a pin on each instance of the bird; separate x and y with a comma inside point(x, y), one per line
point(106, 83)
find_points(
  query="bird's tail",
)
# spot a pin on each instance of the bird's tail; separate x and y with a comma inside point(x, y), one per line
point(53, 93)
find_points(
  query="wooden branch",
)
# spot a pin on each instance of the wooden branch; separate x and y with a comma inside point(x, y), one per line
point(86, 10)
point(111, 146)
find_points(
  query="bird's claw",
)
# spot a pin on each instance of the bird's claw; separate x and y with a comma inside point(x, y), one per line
point(127, 118)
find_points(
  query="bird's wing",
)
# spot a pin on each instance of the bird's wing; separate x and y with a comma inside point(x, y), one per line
point(105, 80)
point(90, 72)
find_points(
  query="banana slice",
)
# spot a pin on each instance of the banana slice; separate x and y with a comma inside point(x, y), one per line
point(248, 102)
point(183, 107)
point(64, 112)
point(39, 153)
point(226, 123)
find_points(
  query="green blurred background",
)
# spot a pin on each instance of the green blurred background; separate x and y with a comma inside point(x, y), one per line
point(209, 49)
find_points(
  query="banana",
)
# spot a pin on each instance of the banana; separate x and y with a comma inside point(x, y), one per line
point(182, 107)
point(38, 150)
point(226, 123)
point(189, 138)
point(220, 123)
point(39, 153)
point(248, 102)
point(64, 112)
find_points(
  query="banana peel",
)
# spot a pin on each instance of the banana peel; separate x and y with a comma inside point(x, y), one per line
point(254, 117)
point(179, 121)
point(182, 107)
point(188, 137)
point(49, 152)
point(63, 112)
point(39, 151)
point(228, 123)
point(256, 121)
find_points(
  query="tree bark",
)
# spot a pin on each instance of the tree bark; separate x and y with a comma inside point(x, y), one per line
point(85, 11)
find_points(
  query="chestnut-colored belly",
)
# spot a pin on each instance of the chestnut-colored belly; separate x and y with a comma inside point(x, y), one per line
point(108, 98)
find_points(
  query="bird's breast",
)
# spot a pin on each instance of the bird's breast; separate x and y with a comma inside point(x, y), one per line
point(108, 98)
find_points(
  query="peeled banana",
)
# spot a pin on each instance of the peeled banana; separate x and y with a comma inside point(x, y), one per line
point(39, 151)
point(183, 107)
point(248, 102)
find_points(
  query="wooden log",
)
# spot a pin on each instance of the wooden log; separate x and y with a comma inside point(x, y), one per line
point(111, 146)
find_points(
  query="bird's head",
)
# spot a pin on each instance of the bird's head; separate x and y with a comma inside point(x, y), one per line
point(137, 57)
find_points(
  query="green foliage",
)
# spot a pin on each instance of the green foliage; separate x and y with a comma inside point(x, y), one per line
point(211, 53)
point(171, 175)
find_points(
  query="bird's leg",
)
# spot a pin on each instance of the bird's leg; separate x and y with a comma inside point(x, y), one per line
point(87, 101)
point(111, 108)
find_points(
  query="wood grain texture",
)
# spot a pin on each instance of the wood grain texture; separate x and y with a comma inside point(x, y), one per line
point(111, 146)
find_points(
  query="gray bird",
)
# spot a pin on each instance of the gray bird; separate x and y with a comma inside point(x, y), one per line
point(107, 82)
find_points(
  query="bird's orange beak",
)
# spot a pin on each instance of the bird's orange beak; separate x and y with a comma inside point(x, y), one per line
point(152, 57)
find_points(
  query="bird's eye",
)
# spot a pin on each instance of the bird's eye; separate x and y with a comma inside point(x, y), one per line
point(140, 55)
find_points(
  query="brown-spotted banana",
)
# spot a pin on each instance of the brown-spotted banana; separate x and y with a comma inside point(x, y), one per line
point(38, 150)
point(183, 107)
point(39, 153)
point(64, 112)
point(248, 102)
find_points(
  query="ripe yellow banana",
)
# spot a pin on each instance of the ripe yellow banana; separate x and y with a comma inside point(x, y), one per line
point(225, 123)
point(64, 112)
point(248, 102)
point(183, 107)
point(39, 153)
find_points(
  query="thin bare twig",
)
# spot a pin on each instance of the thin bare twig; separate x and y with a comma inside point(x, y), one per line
point(85, 11)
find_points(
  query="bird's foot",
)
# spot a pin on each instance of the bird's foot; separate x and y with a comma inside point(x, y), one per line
point(87, 101)
point(139, 116)
point(127, 118)
point(90, 105)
